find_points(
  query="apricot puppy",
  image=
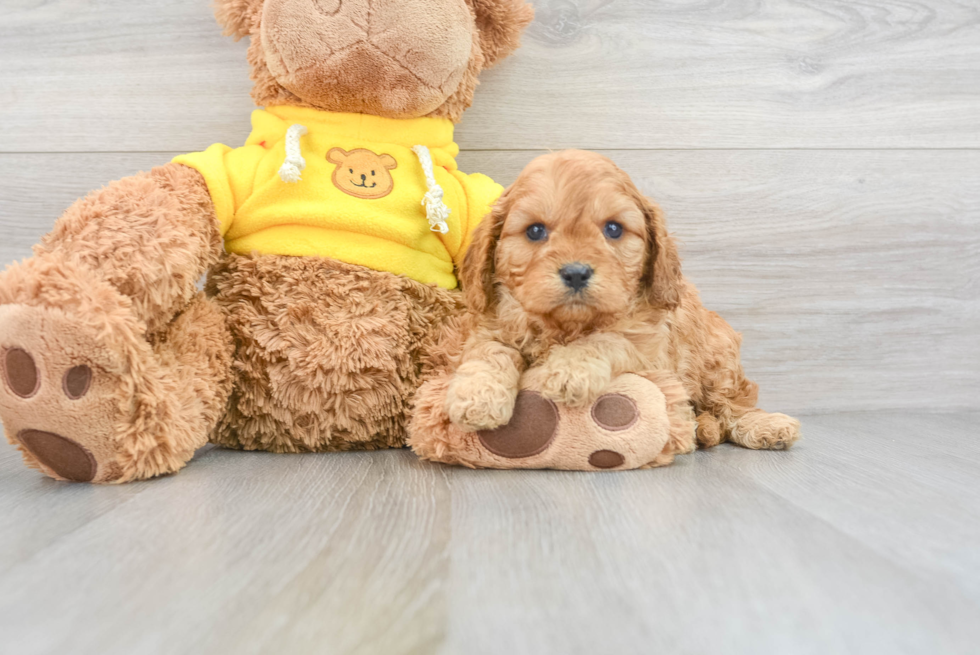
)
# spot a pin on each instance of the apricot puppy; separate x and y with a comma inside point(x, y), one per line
point(573, 281)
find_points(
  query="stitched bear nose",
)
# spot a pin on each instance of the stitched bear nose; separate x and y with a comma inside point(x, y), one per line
point(576, 276)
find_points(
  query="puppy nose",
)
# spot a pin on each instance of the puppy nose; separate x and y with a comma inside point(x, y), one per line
point(363, 177)
point(576, 276)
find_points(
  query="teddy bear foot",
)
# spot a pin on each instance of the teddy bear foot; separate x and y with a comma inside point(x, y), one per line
point(59, 399)
point(83, 394)
point(627, 427)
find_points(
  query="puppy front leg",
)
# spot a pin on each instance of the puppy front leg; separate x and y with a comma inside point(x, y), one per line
point(576, 374)
point(483, 390)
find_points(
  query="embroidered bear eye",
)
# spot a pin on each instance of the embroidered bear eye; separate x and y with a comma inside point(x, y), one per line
point(537, 232)
point(613, 230)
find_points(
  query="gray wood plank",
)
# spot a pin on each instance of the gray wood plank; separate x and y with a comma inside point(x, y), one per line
point(906, 486)
point(854, 276)
point(109, 75)
point(36, 188)
point(727, 551)
point(693, 559)
point(112, 75)
point(240, 552)
point(20, 488)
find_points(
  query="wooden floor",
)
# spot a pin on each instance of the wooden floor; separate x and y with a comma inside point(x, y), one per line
point(863, 539)
point(820, 162)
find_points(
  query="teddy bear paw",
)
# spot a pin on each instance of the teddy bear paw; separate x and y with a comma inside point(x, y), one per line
point(628, 426)
point(57, 398)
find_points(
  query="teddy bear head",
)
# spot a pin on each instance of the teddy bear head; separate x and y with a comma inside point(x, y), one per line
point(392, 58)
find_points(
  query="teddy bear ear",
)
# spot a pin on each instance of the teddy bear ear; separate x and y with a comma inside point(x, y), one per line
point(500, 23)
point(337, 156)
point(237, 17)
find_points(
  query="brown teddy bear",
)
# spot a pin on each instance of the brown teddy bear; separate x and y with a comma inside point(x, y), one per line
point(329, 240)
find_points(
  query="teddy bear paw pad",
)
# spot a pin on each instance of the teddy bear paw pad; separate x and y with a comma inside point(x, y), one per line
point(530, 431)
point(68, 459)
point(606, 459)
point(615, 412)
point(57, 402)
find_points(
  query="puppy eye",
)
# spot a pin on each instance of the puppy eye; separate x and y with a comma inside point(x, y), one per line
point(372, 172)
point(351, 170)
point(537, 232)
point(612, 230)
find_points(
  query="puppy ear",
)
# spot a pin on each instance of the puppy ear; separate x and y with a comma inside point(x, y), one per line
point(662, 278)
point(478, 272)
point(238, 17)
point(389, 162)
point(500, 24)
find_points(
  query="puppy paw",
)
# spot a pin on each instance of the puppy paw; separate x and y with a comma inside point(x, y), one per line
point(763, 431)
point(479, 401)
point(570, 380)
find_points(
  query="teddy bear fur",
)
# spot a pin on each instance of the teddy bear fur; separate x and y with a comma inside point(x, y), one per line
point(498, 25)
point(284, 354)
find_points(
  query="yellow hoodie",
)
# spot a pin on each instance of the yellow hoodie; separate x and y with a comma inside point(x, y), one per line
point(349, 187)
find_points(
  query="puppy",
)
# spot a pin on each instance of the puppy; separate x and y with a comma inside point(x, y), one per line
point(573, 280)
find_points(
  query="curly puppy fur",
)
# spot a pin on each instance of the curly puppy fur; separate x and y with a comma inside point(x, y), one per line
point(636, 313)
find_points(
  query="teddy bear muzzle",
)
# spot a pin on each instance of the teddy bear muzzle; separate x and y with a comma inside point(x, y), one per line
point(397, 59)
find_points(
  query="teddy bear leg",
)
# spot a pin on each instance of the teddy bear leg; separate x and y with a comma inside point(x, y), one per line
point(85, 396)
point(634, 424)
point(111, 367)
point(329, 354)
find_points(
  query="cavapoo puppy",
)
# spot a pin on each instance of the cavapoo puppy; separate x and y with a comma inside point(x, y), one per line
point(573, 281)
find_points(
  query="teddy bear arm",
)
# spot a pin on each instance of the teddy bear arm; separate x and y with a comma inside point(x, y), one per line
point(150, 236)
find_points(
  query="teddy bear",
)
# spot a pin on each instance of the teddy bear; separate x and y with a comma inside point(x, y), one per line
point(329, 242)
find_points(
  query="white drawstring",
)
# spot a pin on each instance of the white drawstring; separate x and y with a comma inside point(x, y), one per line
point(291, 170)
point(435, 209)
